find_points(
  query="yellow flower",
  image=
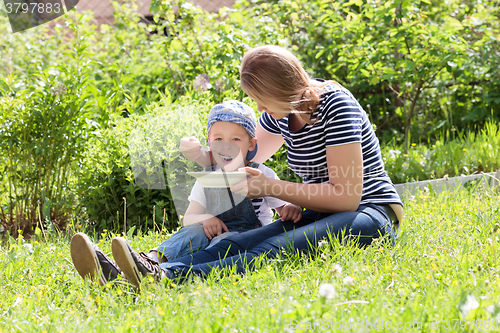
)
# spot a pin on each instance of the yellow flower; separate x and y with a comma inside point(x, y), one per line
point(119, 292)
point(273, 310)
point(464, 149)
point(413, 144)
point(181, 297)
point(173, 285)
point(455, 283)
point(207, 290)
point(199, 287)
point(105, 230)
point(225, 298)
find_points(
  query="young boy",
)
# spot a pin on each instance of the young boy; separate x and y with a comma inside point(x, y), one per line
point(212, 214)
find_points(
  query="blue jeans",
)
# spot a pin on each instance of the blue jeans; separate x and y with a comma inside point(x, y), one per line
point(237, 213)
point(241, 250)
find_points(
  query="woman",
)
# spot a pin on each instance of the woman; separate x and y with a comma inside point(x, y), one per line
point(331, 145)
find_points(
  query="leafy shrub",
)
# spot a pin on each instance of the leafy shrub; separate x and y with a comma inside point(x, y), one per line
point(134, 167)
point(431, 61)
point(44, 120)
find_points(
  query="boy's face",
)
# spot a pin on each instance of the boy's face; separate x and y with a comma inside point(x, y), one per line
point(229, 143)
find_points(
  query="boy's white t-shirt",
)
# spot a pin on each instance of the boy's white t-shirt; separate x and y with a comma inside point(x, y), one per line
point(262, 206)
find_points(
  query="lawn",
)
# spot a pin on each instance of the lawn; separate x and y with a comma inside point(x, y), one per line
point(443, 267)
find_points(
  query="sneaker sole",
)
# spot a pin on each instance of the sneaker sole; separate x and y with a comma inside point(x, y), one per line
point(85, 259)
point(124, 260)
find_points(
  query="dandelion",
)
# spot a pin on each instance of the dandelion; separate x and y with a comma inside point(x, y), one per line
point(413, 144)
point(348, 281)
point(337, 270)
point(327, 291)
point(202, 83)
point(181, 297)
point(273, 310)
point(470, 304)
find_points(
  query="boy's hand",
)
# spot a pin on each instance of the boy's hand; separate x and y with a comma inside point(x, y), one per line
point(290, 212)
point(190, 148)
point(213, 227)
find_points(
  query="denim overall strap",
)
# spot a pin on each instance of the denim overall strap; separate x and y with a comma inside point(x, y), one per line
point(235, 210)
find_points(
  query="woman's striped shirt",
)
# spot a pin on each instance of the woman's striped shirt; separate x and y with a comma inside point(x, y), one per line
point(340, 120)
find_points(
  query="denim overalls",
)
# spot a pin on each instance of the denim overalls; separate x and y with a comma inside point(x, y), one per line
point(235, 210)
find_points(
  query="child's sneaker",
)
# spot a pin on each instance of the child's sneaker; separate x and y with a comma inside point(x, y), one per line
point(90, 261)
point(134, 265)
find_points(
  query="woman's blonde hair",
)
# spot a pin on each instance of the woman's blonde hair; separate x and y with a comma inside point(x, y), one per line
point(272, 74)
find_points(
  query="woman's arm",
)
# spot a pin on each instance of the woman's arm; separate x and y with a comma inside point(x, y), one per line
point(270, 143)
point(341, 194)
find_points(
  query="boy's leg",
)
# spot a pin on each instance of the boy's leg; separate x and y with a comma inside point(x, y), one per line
point(365, 225)
point(187, 240)
point(245, 241)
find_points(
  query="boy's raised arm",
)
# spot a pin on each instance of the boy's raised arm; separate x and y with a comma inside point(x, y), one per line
point(192, 150)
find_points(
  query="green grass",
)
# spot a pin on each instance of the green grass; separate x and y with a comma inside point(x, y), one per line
point(447, 250)
point(466, 154)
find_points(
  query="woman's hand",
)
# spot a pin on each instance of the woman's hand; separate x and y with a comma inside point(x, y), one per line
point(257, 186)
point(290, 212)
point(213, 227)
point(190, 148)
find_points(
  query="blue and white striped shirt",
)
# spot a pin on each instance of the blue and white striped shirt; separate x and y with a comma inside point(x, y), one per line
point(340, 120)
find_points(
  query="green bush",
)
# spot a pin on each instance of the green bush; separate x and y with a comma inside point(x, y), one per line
point(45, 118)
point(416, 66)
point(134, 167)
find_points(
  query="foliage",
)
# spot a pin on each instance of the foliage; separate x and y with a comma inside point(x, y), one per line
point(44, 120)
point(417, 67)
point(431, 61)
point(134, 167)
point(443, 266)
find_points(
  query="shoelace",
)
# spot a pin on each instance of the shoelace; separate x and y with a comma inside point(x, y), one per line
point(150, 263)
